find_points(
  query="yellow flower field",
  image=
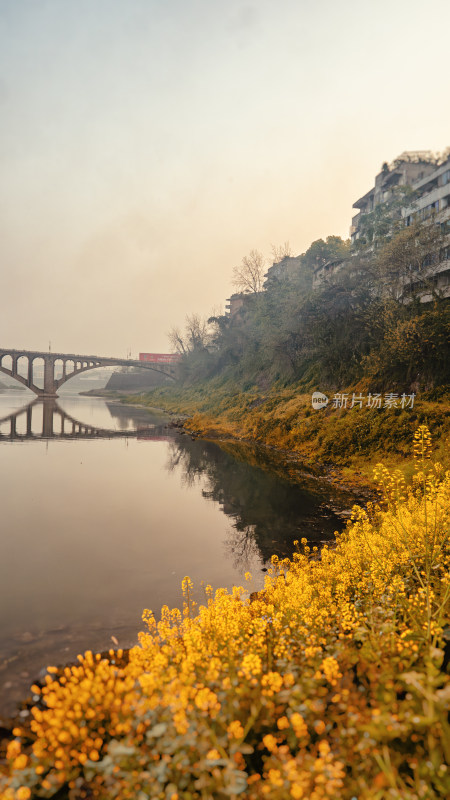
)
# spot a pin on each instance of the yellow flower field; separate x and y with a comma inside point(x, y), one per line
point(330, 683)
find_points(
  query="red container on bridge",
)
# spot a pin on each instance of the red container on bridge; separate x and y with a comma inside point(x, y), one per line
point(160, 358)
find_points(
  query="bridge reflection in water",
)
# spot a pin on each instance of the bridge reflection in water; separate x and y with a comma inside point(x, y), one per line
point(45, 419)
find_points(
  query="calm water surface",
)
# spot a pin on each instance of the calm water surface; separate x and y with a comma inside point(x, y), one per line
point(104, 509)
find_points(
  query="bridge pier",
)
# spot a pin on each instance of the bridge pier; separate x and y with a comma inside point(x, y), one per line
point(49, 377)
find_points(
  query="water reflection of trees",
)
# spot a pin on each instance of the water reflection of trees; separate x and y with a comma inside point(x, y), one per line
point(268, 510)
point(241, 547)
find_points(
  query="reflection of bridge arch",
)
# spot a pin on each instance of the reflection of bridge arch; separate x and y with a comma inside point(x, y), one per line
point(80, 364)
point(68, 426)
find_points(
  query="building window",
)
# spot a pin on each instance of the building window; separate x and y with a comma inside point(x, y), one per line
point(433, 208)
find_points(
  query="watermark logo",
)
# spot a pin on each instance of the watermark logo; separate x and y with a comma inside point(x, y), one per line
point(353, 400)
point(319, 400)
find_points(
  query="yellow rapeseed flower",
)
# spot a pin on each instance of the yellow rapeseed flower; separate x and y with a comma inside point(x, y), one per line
point(20, 762)
point(23, 793)
point(275, 777)
point(299, 725)
point(13, 749)
point(270, 742)
point(235, 730)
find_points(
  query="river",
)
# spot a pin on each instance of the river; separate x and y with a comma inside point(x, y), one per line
point(104, 508)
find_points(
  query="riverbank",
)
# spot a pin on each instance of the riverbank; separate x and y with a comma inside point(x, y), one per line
point(328, 684)
point(343, 443)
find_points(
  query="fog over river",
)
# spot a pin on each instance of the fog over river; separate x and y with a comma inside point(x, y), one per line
point(104, 509)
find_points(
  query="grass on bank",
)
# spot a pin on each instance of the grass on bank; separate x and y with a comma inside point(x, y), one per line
point(328, 684)
point(349, 438)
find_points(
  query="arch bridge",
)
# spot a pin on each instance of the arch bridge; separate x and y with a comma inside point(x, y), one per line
point(69, 363)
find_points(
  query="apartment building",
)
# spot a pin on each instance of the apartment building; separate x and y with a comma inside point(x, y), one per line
point(409, 168)
point(431, 203)
point(429, 194)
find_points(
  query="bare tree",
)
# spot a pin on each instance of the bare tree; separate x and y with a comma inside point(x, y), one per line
point(248, 276)
point(196, 335)
point(176, 341)
point(281, 251)
point(197, 332)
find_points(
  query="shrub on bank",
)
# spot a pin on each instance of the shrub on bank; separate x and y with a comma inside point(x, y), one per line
point(328, 684)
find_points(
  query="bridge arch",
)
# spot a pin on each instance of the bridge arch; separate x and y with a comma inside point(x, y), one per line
point(8, 365)
point(80, 364)
point(37, 365)
point(6, 361)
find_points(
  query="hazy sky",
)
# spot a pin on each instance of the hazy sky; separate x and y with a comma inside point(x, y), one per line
point(147, 145)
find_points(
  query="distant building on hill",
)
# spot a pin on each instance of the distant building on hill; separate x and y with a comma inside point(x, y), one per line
point(235, 303)
point(282, 270)
point(325, 272)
